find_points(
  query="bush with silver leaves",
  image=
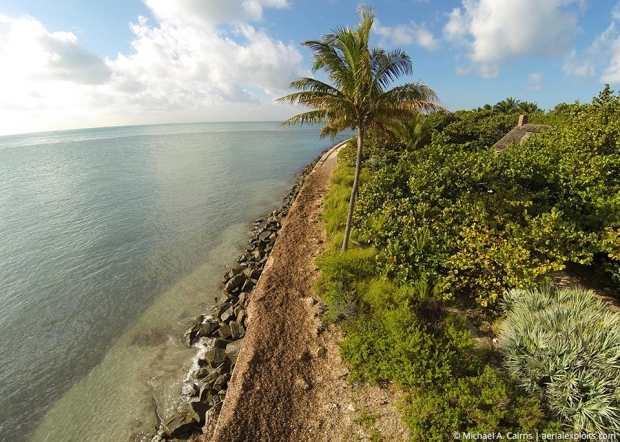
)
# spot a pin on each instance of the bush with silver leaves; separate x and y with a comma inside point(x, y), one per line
point(563, 345)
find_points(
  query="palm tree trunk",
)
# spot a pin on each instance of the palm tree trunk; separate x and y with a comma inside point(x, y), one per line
point(358, 168)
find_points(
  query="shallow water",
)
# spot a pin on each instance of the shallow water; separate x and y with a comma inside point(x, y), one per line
point(112, 239)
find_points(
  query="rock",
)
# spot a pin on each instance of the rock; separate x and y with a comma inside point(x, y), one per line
point(228, 314)
point(321, 352)
point(207, 329)
point(199, 330)
point(216, 356)
point(220, 308)
point(221, 382)
point(219, 343)
point(233, 349)
point(228, 298)
point(264, 236)
point(206, 394)
point(179, 424)
point(204, 371)
point(198, 410)
point(332, 407)
point(243, 296)
point(248, 286)
point(236, 330)
point(252, 273)
point(212, 377)
point(189, 389)
point(242, 258)
point(232, 272)
point(224, 330)
point(241, 317)
point(191, 334)
point(235, 283)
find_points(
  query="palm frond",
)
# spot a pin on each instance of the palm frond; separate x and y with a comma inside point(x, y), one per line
point(310, 117)
point(414, 96)
point(390, 66)
point(311, 84)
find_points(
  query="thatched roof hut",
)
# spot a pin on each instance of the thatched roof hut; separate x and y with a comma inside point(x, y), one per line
point(519, 134)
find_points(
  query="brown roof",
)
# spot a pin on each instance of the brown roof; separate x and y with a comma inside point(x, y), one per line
point(518, 135)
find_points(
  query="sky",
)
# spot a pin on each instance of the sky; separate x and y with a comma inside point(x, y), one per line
point(68, 64)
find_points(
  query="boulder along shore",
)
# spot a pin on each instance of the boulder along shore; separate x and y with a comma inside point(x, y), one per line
point(219, 335)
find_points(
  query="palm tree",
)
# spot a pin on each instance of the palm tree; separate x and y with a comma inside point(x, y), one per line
point(528, 107)
point(414, 132)
point(358, 96)
point(507, 106)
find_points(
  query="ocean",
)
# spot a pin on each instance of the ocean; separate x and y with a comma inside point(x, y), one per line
point(111, 240)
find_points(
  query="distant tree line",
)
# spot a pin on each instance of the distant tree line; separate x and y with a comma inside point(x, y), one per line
point(511, 105)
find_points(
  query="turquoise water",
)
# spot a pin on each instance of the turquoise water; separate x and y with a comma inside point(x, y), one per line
point(110, 240)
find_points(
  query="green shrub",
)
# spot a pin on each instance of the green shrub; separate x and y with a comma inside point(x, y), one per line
point(448, 385)
point(482, 403)
point(563, 345)
point(396, 345)
point(343, 279)
point(475, 224)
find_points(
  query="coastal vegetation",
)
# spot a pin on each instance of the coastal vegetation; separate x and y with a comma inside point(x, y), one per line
point(358, 95)
point(446, 230)
point(561, 345)
point(454, 244)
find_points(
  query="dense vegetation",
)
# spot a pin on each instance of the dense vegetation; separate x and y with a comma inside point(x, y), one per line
point(445, 224)
point(398, 332)
point(478, 223)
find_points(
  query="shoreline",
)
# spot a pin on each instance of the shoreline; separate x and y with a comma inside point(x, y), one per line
point(219, 335)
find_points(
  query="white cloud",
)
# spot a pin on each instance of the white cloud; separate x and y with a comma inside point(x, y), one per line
point(488, 70)
point(212, 11)
point(580, 64)
point(463, 71)
point(180, 69)
point(612, 72)
point(603, 54)
point(493, 32)
point(44, 73)
point(412, 33)
point(534, 82)
point(615, 13)
point(28, 51)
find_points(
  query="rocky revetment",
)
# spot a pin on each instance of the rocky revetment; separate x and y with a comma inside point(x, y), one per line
point(218, 336)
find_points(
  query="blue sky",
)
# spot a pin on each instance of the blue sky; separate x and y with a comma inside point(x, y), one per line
point(70, 64)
